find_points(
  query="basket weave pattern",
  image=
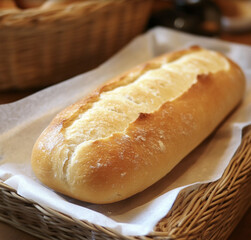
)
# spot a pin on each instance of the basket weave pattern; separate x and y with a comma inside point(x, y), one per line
point(42, 47)
point(210, 211)
point(213, 210)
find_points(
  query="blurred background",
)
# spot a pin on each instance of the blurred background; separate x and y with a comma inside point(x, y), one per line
point(43, 42)
point(224, 19)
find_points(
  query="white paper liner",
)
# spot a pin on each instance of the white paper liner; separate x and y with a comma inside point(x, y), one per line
point(23, 121)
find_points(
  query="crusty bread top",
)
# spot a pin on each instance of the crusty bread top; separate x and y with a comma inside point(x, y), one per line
point(118, 107)
point(89, 150)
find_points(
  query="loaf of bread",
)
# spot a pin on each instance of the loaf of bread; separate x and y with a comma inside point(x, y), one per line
point(133, 130)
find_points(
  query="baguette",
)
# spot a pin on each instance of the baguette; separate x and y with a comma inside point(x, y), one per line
point(133, 130)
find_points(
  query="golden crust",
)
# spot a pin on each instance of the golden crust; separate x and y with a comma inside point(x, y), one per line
point(116, 167)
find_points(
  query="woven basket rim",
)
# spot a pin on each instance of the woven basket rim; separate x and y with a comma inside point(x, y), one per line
point(24, 17)
point(216, 185)
point(50, 211)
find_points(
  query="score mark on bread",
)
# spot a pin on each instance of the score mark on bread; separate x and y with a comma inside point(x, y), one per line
point(135, 128)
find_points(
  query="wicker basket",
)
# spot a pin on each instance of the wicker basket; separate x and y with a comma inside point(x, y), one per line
point(210, 211)
point(42, 47)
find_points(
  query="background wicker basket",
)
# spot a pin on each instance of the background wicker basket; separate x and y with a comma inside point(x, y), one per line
point(210, 211)
point(42, 47)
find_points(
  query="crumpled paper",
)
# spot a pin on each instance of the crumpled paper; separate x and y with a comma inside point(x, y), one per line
point(22, 122)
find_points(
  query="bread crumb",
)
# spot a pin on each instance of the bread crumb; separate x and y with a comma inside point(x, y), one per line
point(99, 164)
point(140, 138)
point(162, 146)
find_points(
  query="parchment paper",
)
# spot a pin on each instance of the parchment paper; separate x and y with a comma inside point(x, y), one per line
point(22, 122)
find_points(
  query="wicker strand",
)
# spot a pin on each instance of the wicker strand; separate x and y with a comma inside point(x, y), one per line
point(224, 191)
